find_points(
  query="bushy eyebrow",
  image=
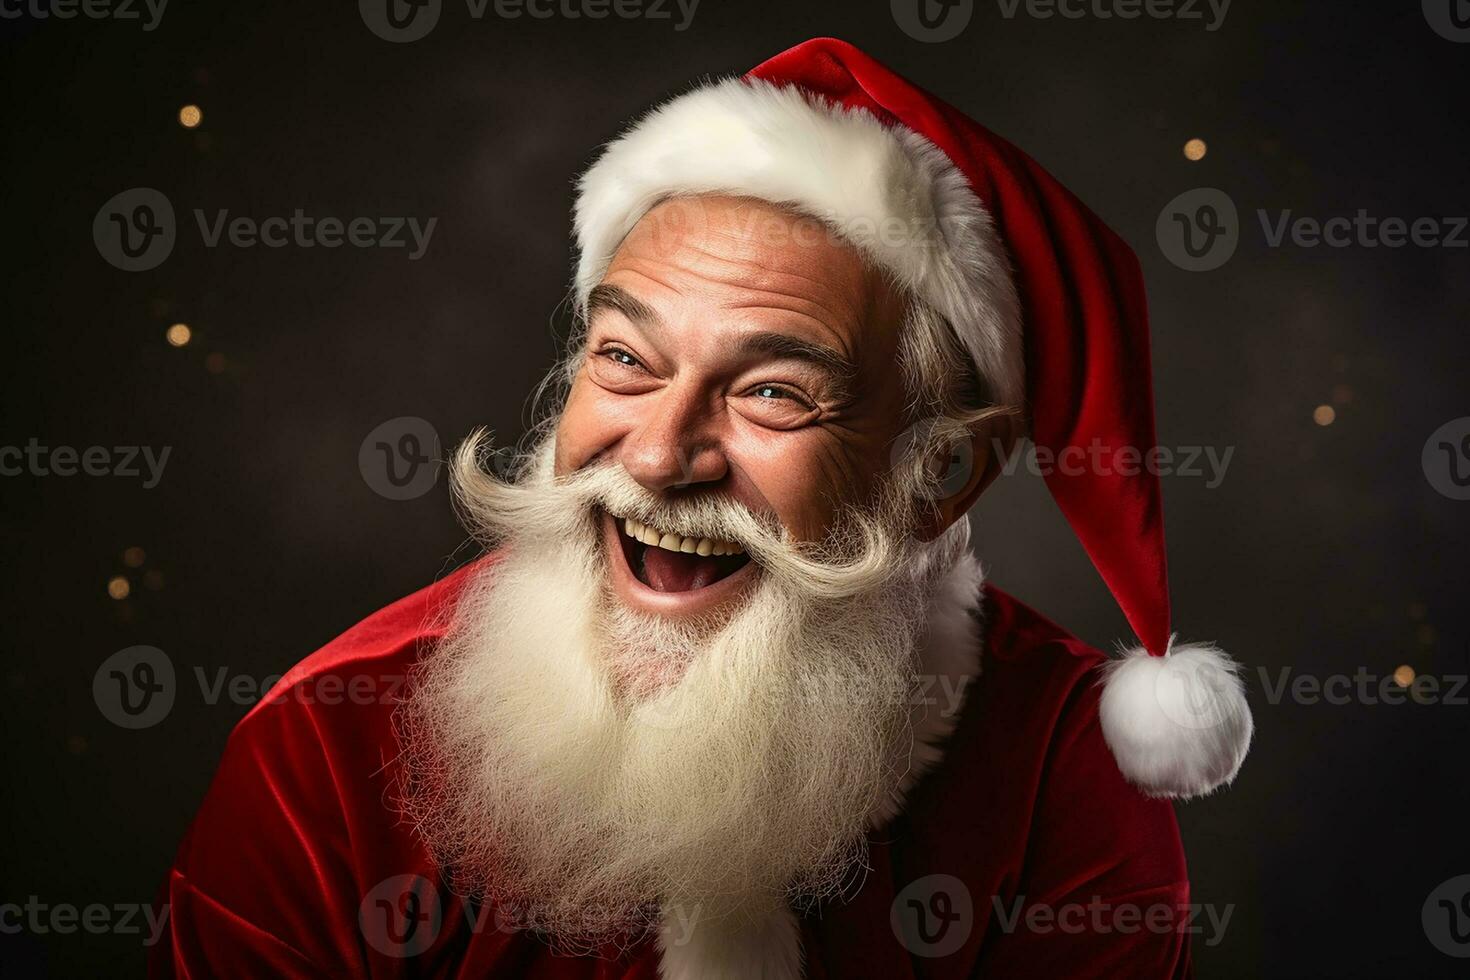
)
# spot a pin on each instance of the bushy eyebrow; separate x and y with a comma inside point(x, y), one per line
point(605, 297)
point(832, 362)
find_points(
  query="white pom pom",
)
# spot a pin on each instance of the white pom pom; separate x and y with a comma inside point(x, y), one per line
point(1179, 724)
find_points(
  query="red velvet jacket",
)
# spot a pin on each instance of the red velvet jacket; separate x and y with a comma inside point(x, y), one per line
point(1052, 865)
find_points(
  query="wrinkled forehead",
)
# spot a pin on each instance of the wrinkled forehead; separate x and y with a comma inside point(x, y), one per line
point(750, 250)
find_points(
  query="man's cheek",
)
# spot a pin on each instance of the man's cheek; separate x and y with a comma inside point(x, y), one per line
point(800, 493)
point(582, 429)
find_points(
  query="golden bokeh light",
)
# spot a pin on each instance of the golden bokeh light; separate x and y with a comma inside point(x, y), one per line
point(1404, 676)
point(134, 557)
point(1195, 150)
point(190, 116)
point(118, 587)
point(178, 335)
point(1324, 415)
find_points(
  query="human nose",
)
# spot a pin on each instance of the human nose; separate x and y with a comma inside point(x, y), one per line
point(675, 443)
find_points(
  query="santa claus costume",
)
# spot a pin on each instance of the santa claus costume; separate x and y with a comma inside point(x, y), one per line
point(1049, 789)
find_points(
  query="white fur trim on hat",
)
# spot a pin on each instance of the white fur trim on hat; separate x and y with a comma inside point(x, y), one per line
point(1178, 725)
point(885, 189)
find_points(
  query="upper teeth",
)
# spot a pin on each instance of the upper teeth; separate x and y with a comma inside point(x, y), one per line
point(674, 542)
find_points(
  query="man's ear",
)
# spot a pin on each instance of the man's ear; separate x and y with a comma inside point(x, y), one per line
point(967, 470)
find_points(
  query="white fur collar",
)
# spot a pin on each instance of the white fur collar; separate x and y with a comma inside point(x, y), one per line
point(766, 945)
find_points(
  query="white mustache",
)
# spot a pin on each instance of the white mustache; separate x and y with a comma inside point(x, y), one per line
point(862, 552)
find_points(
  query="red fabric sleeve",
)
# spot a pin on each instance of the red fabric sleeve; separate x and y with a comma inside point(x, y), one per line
point(261, 885)
point(297, 827)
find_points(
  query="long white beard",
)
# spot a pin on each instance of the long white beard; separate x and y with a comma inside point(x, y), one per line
point(740, 774)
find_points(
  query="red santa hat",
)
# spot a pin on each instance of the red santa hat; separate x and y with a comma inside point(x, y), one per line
point(1046, 299)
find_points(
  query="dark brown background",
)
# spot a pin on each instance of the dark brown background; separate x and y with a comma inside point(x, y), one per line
point(1324, 549)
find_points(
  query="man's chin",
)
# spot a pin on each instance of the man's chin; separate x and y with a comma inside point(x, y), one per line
point(683, 586)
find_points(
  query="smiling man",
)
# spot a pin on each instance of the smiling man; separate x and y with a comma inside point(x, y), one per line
point(727, 696)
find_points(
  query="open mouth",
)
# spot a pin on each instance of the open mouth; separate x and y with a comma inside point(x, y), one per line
point(667, 562)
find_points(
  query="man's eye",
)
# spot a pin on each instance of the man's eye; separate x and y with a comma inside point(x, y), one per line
point(775, 392)
point(777, 406)
point(619, 356)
